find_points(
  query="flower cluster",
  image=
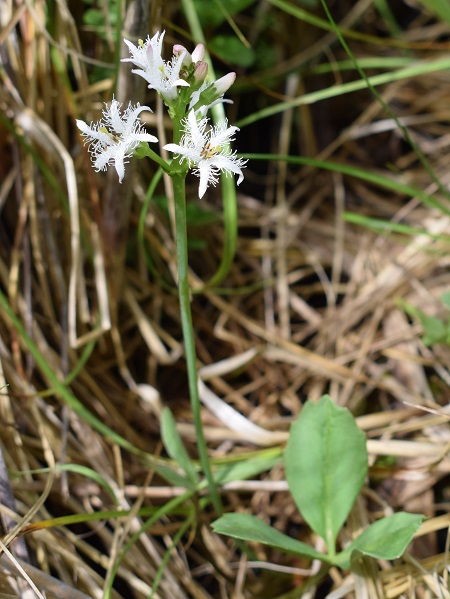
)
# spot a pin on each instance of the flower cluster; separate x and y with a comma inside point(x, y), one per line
point(182, 84)
point(162, 76)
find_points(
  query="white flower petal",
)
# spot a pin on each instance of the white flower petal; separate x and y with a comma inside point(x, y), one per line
point(205, 175)
point(196, 130)
point(119, 164)
point(223, 137)
point(103, 158)
point(175, 148)
point(92, 133)
point(181, 82)
point(182, 151)
point(226, 163)
point(144, 137)
point(113, 115)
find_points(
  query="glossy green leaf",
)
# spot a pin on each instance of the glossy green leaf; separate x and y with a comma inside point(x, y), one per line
point(326, 464)
point(251, 528)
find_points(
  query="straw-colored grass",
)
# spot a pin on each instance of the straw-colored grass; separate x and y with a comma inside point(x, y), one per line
point(90, 335)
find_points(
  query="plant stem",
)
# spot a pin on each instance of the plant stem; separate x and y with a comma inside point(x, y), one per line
point(178, 179)
point(146, 150)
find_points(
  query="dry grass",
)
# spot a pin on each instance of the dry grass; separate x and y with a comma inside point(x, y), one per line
point(311, 306)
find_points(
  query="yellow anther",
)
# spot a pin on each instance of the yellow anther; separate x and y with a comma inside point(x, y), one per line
point(209, 151)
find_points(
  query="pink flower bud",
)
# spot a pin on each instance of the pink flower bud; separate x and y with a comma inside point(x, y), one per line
point(200, 72)
point(178, 50)
point(196, 56)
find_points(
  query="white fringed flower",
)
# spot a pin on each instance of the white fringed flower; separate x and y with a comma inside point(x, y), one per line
point(162, 76)
point(207, 148)
point(114, 138)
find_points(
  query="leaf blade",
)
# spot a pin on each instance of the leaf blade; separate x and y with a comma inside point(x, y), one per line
point(326, 464)
point(387, 538)
point(251, 528)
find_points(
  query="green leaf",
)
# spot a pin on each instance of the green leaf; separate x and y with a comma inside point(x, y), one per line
point(210, 14)
point(232, 51)
point(326, 464)
point(385, 539)
point(173, 477)
point(77, 469)
point(251, 528)
point(439, 7)
point(435, 330)
point(175, 447)
point(445, 299)
point(245, 469)
point(200, 217)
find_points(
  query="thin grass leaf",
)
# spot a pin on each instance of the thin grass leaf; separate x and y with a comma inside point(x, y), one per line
point(160, 513)
point(77, 469)
point(364, 175)
point(415, 70)
point(439, 7)
point(175, 447)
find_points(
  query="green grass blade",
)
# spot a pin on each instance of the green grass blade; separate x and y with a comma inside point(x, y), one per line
point(359, 173)
point(175, 447)
point(161, 512)
point(439, 7)
point(384, 226)
point(423, 160)
point(415, 70)
point(61, 390)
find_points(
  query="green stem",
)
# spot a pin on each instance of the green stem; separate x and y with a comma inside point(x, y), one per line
point(178, 179)
point(145, 150)
point(228, 186)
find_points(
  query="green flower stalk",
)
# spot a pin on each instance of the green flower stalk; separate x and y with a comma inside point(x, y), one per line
point(182, 84)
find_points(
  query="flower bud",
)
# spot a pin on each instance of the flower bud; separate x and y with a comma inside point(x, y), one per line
point(196, 56)
point(200, 72)
point(178, 50)
point(223, 84)
point(198, 53)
